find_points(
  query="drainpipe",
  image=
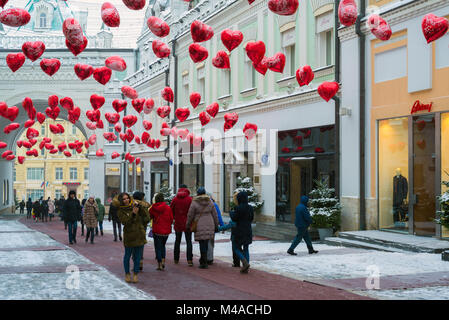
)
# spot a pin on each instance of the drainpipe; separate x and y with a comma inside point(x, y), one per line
point(337, 101)
point(175, 106)
point(362, 105)
point(166, 151)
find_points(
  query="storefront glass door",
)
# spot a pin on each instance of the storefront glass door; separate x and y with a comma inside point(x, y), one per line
point(424, 169)
point(301, 182)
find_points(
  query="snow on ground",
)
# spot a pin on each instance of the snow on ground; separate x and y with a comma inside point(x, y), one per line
point(427, 293)
point(40, 258)
point(12, 225)
point(25, 239)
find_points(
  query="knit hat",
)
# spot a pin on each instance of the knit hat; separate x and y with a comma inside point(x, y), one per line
point(201, 191)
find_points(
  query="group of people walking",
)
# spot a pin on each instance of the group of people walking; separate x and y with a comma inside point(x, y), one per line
point(39, 210)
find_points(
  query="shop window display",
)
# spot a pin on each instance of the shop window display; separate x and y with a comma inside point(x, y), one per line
point(444, 159)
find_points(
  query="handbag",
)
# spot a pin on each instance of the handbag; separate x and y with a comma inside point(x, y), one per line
point(150, 234)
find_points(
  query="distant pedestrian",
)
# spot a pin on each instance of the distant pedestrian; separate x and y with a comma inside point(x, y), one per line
point(180, 207)
point(113, 216)
point(29, 206)
point(90, 218)
point(22, 207)
point(302, 223)
point(235, 257)
point(242, 235)
point(37, 210)
point(134, 219)
point(162, 217)
point(51, 208)
point(140, 196)
point(72, 214)
point(211, 243)
point(44, 209)
point(83, 202)
point(101, 212)
point(202, 213)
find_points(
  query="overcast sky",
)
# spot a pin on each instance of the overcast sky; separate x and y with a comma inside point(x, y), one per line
point(131, 21)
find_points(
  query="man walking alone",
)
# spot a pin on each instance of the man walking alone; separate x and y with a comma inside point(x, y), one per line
point(302, 223)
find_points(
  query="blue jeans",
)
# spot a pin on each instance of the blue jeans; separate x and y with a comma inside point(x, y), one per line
point(241, 253)
point(159, 246)
point(72, 230)
point(136, 253)
point(303, 233)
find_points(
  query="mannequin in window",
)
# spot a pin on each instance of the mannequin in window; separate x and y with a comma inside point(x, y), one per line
point(400, 190)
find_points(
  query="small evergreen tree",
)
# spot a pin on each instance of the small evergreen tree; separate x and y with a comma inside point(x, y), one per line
point(168, 194)
point(443, 213)
point(324, 207)
point(245, 184)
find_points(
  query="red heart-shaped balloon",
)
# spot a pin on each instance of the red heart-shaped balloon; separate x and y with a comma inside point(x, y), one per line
point(112, 118)
point(19, 143)
point(40, 117)
point(33, 50)
point(212, 109)
point(262, 66)
point(197, 140)
point(50, 66)
point(157, 143)
point(115, 63)
point(147, 125)
point(67, 153)
point(74, 114)
point(54, 129)
point(3, 109)
point(73, 32)
point(163, 111)
point(158, 26)
point(122, 137)
point(379, 27)
point(115, 155)
point(110, 15)
point(231, 39)
point(119, 105)
point(434, 27)
point(138, 104)
point(91, 125)
point(304, 75)
point(221, 60)
point(129, 120)
point(27, 144)
point(12, 113)
point(53, 101)
point(148, 106)
point(93, 115)
point(255, 51)
point(53, 151)
point(195, 99)
point(21, 159)
point(134, 4)
point(200, 31)
point(32, 133)
point(327, 90)
point(276, 63)
point(77, 49)
point(283, 7)
point(183, 133)
point(129, 135)
point(102, 75)
point(11, 127)
point(15, 61)
point(230, 120)
point(15, 17)
point(118, 127)
point(347, 12)
point(145, 137)
point(61, 128)
point(83, 71)
point(165, 132)
point(174, 133)
point(160, 49)
point(29, 123)
point(3, 3)
point(110, 136)
point(67, 103)
point(6, 153)
point(167, 94)
point(130, 92)
point(182, 114)
point(97, 101)
point(197, 52)
point(250, 130)
point(204, 118)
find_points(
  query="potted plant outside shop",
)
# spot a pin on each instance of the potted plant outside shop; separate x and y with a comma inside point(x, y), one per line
point(443, 213)
point(324, 209)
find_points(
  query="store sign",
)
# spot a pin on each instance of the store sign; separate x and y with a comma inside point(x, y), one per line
point(418, 106)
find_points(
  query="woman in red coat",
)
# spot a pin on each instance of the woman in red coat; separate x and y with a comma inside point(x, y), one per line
point(180, 207)
point(162, 217)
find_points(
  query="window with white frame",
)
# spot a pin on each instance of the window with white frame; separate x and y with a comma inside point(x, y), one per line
point(43, 20)
point(35, 173)
point(324, 39)
point(73, 129)
point(249, 74)
point(86, 173)
point(289, 50)
point(202, 83)
point(35, 194)
point(73, 173)
point(43, 130)
point(111, 129)
point(59, 174)
point(225, 82)
point(185, 88)
point(58, 194)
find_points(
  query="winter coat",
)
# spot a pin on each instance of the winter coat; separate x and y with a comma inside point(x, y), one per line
point(180, 207)
point(162, 217)
point(113, 213)
point(133, 224)
point(71, 210)
point(90, 214)
point(203, 210)
point(22, 205)
point(101, 210)
point(303, 218)
point(51, 206)
point(37, 208)
point(29, 204)
point(243, 215)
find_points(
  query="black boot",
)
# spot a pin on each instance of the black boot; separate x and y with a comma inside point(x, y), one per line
point(203, 261)
point(245, 266)
point(290, 251)
point(312, 251)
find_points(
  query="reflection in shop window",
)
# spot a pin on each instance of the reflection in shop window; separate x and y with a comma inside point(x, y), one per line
point(444, 158)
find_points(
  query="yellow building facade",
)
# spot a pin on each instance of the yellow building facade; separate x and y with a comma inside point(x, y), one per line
point(52, 175)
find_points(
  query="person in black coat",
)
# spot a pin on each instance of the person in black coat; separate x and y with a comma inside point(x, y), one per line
point(22, 207)
point(116, 224)
point(242, 233)
point(302, 222)
point(44, 210)
point(72, 213)
point(29, 206)
point(37, 210)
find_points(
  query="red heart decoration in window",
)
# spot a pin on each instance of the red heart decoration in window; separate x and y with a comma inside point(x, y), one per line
point(73, 32)
point(261, 67)
point(160, 49)
point(230, 120)
point(134, 4)
point(255, 51)
point(197, 53)
point(61, 128)
point(110, 15)
point(182, 114)
point(327, 90)
point(15, 61)
point(31, 141)
point(115, 63)
point(319, 150)
point(195, 99)
point(165, 132)
point(77, 49)
point(102, 75)
point(147, 125)
point(40, 117)
point(204, 118)
point(379, 27)
point(276, 63)
point(250, 130)
point(163, 111)
point(200, 31)
point(434, 27)
point(148, 106)
point(158, 26)
point(167, 94)
point(83, 71)
point(304, 75)
point(130, 92)
point(231, 39)
point(33, 50)
point(138, 104)
point(50, 66)
point(221, 60)
point(15, 17)
point(119, 105)
point(283, 7)
point(97, 101)
point(212, 109)
point(347, 12)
